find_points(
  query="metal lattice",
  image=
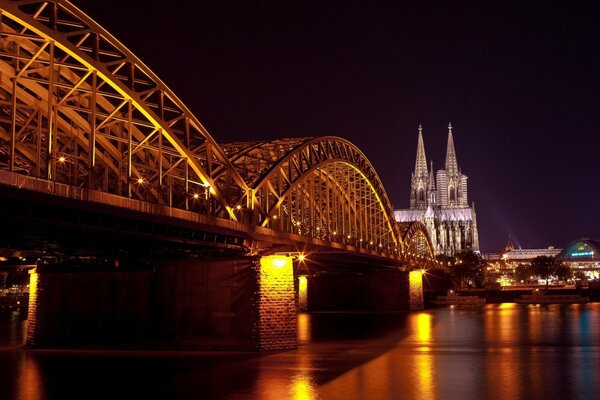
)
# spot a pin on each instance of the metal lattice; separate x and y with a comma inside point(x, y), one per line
point(321, 187)
point(77, 107)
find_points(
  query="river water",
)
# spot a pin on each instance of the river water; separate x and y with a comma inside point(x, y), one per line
point(498, 351)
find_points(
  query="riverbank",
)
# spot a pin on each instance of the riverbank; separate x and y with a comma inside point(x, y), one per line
point(511, 294)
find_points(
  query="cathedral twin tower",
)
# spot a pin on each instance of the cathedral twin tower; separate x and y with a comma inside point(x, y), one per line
point(440, 201)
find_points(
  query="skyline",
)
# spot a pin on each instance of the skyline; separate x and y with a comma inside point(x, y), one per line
point(519, 83)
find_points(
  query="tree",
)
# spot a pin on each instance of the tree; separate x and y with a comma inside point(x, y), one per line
point(468, 267)
point(545, 267)
point(523, 273)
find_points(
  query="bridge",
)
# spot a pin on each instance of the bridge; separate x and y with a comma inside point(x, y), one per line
point(97, 152)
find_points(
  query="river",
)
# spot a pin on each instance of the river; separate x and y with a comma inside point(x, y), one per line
point(498, 351)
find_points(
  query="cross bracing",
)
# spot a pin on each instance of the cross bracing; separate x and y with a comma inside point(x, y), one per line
point(78, 108)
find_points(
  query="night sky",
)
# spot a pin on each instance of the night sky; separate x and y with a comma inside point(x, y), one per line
point(520, 82)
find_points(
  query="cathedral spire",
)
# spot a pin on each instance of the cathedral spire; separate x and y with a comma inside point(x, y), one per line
point(431, 177)
point(421, 161)
point(451, 164)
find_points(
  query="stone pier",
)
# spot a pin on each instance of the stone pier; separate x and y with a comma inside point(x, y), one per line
point(243, 303)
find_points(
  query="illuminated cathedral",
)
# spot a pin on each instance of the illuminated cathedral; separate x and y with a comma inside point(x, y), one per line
point(440, 202)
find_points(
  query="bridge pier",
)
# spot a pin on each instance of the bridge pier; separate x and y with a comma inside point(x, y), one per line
point(241, 303)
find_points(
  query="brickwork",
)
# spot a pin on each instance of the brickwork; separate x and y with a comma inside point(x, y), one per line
point(416, 290)
point(216, 304)
point(275, 302)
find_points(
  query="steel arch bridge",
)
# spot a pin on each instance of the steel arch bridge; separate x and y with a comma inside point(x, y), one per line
point(78, 108)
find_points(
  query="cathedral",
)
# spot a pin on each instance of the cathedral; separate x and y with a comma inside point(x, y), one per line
point(440, 202)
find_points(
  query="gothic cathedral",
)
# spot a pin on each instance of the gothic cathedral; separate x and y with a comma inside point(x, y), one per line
point(440, 202)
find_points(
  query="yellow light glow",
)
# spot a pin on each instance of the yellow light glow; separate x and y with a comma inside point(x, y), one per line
point(196, 196)
point(302, 292)
point(238, 207)
point(415, 279)
point(301, 257)
point(62, 159)
point(140, 180)
point(302, 387)
point(275, 261)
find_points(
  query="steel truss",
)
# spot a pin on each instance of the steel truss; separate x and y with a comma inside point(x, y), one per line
point(320, 187)
point(78, 108)
point(418, 248)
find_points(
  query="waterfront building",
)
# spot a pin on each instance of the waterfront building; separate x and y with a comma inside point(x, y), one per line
point(512, 256)
point(583, 255)
point(440, 201)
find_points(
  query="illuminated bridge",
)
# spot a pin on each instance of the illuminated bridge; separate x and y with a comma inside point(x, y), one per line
point(93, 142)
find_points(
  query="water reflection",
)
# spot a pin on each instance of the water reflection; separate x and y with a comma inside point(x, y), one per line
point(30, 380)
point(424, 368)
point(503, 351)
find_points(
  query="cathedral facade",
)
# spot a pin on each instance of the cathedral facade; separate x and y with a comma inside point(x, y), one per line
point(440, 201)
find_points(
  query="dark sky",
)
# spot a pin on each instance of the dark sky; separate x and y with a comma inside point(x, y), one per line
point(520, 82)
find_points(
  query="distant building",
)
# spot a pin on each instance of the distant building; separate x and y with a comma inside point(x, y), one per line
point(513, 257)
point(583, 255)
point(440, 202)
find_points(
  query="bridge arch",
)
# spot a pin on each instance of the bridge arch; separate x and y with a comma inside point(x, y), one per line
point(320, 187)
point(418, 247)
point(77, 107)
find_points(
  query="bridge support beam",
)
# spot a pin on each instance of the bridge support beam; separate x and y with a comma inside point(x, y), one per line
point(238, 303)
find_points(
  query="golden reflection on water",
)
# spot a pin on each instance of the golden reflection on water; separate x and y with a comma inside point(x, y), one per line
point(501, 372)
point(422, 327)
point(303, 387)
point(30, 380)
point(303, 328)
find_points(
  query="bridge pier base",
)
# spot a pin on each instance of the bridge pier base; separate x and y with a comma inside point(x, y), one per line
point(242, 303)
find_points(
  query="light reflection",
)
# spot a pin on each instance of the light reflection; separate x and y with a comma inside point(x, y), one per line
point(422, 327)
point(30, 380)
point(303, 328)
point(303, 387)
point(423, 359)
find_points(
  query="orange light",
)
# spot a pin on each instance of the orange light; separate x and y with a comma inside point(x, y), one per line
point(301, 257)
point(62, 159)
point(196, 196)
point(140, 180)
point(238, 207)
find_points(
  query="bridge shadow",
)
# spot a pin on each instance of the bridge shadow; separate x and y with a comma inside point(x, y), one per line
point(330, 345)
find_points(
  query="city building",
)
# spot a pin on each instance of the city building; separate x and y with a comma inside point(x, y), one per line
point(512, 256)
point(583, 255)
point(440, 202)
